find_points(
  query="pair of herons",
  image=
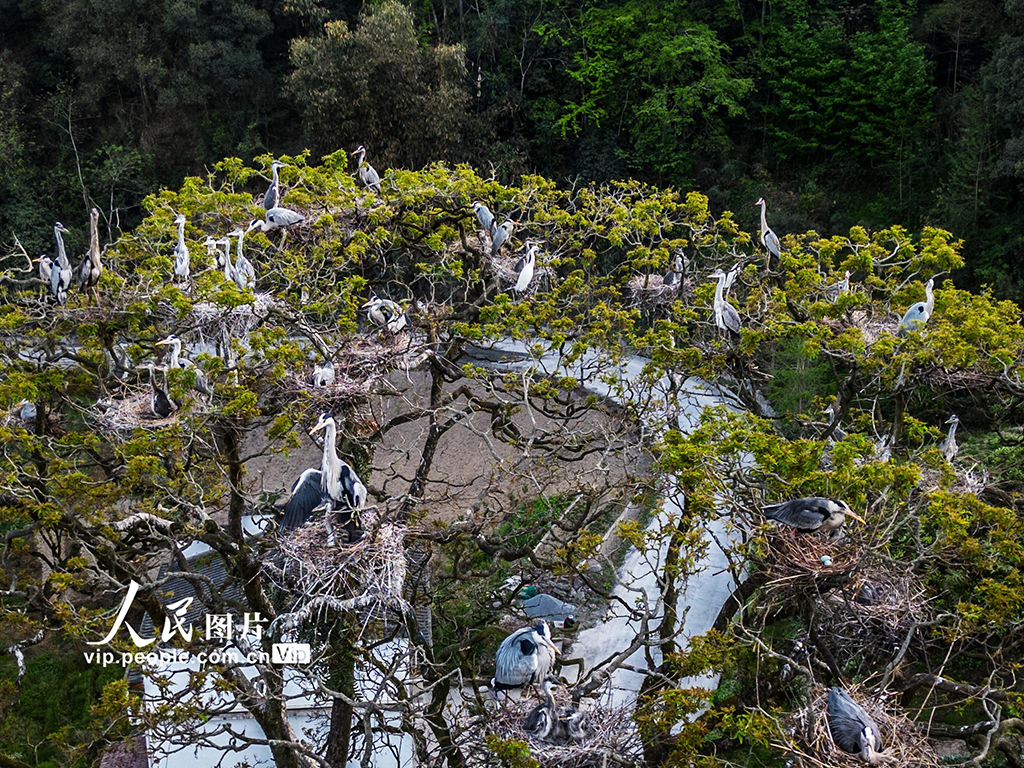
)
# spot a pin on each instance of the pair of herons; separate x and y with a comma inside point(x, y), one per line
point(57, 272)
point(527, 264)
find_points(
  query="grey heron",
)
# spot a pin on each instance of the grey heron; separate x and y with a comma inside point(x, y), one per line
point(182, 266)
point(323, 375)
point(526, 272)
point(811, 514)
point(45, 267)
point(674, 275)
point(838, 433)
point(243, 273)
point(730, 278)
point(386, 313)
point(202, 384)
point(60, 273)
point(948, 446)
point(160, 402)
point(90, 267)
point(273, 196)
point(852, 728)
point(229, 268)
point(213, 249)
point(484, 216)
point(501, 236)
point(367, 173)
point(918, 314)
point(526, 657)
point(545, 722)
point(726, 316)
point(277, 218)
point(836, 290)
point(768, 238)
point(335, 485)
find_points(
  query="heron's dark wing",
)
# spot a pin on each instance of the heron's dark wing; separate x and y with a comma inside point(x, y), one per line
point(805, 514)
point(270, 199)
point(514, 664)
point(671, 278)
point(847, 720)
point(306, 496)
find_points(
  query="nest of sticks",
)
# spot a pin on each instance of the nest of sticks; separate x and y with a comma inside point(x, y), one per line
point(324, 575)
point(610, 736)
point(130, 413)
point(903, 744)
point(651, 290)
point(236, 321)
point(865, 609)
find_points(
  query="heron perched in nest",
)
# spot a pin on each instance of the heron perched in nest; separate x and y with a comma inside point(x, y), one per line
point(811, 514)
point(160, 402)
point(500, 236)
point(918, 314)
point(852, 728)
point(674, 275)
point(546, 722)
point(333, 487)
point(385, 313)
point(526, 657)
point(272, 199)
point(529, 262)
point(323, 375)
point(202, 383)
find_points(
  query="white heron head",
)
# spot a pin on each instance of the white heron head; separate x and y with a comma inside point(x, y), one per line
point(716, 275)
point(60, 227)
point(543, 633)
point(170, 340)
point(477, 205)
point(760, 201)
point(236, 232)
point(277, 164)
point(43, 259)
point(179, 219)
point(373, 301)
point(954, 419)
point(360, 150)
point(842, 506)
point(323, 421)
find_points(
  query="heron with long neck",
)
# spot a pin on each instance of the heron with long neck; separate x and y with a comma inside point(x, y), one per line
point(202, 384)
point(91, 267)
point(726, 317)
point(335, 485)
point(243, 272)
point(768, 238)
point(918, 314)
point(160, 402)
point(273, 196)
point(182, 266)
point(60, 273)
point(367, 173)
point(948, 446)
point(674, 275)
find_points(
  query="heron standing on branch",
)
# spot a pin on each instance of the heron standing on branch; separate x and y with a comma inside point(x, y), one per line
point(526, 272)
point(948, 446)
point(501, 235)
point(674, 275)
point(484, 217)
point(90, 268)
point(386, 313)
point(367, 173)
point(768, 238)
point(726, 316)
point(182, 266)
point(273, 196)
point(243, 273)
point(60, 273)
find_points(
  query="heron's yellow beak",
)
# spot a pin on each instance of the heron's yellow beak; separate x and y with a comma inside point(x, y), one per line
point(36, 261)
point(856, 517)
point(163, 343)
point(367, 304)
point(318, 427)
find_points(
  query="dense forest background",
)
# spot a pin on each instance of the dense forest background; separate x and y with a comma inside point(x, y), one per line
point(839, 112)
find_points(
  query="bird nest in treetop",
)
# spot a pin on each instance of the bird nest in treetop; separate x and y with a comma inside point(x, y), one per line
point(360, 364)
point(809, 731)
point(325, 575)
point(133, 412)
point(651, 289)
point(862, 610)
point(504, 264)
point(611, 735)
point(237, 321)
